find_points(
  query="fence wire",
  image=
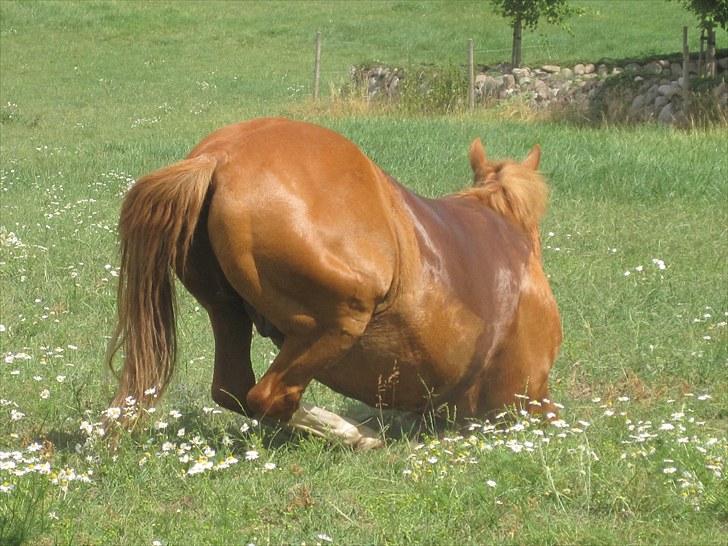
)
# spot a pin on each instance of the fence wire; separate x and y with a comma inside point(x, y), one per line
point(546, 44)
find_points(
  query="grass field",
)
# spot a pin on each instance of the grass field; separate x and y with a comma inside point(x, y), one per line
point(93, 95)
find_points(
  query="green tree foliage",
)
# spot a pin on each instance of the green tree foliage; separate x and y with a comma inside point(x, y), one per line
point(528, 13)
point(711, 13)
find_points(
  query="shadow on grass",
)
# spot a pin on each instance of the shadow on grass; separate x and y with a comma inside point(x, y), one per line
point(214, 425)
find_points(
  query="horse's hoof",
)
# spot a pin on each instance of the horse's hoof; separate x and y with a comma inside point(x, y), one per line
point(365, 444)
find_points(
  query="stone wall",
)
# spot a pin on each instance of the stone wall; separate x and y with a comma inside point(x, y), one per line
point(650, 91)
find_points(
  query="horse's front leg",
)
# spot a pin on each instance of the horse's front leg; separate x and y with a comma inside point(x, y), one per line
point(279, 391)
point(233, 375)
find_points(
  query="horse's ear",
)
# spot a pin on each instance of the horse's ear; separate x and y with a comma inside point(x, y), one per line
point(478, 162)
point(533, 158)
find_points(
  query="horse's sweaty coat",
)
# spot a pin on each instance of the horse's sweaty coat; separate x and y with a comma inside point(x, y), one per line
point(387, 297)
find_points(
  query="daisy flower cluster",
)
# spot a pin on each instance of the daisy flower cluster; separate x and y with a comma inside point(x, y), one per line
point(680, 447)
point(118, 181)
point(36, 460)
point(516, 434)
point(681, 451)
point(162, 439)
point(167, 439)
point(714, 324)
point(657, 264)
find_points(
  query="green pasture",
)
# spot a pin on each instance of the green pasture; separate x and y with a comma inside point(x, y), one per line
point(94, 94)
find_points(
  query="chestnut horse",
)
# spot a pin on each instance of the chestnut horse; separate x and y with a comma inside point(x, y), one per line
point(392, 299)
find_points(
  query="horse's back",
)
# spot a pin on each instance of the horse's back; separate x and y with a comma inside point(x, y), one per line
point(471, 250)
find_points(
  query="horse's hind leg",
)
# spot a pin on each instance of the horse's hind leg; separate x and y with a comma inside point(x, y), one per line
point(233, 375)
point(232, 328)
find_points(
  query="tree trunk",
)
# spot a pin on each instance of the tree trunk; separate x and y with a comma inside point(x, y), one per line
point(516, 51)
point(701, 55)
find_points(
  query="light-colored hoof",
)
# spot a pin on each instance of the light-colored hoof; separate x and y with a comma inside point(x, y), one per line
point(365, 444)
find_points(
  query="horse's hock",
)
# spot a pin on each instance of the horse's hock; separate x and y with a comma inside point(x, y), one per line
point(650, 90)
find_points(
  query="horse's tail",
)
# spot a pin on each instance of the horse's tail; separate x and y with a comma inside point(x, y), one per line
point(157, 222)
point(515, 190)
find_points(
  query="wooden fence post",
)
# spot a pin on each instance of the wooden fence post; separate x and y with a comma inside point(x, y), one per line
point(686, 60)
point(471, 75)
point(317, 66)
point(711, 53)
point(701, 56)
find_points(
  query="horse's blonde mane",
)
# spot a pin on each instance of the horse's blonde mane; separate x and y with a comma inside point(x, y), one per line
point(515, 190)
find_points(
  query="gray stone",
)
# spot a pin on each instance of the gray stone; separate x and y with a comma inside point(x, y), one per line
point(653, 68)
point(489, 85)
point(676, 69)
point(722, 88)
point(632, 67)
point(722, 63)
point(674, 90)
point(520, 72)
point(543, 91)
point(639, 79)
point(588, 68)
point(661, 101)
point(666, 115)
point(566, 73)
point(505, 93)
point(602, 70)
point(638, 102)
point(666, 90)
point(616, 70)
point(562, 85)
point(509, 82)
point(551, 68)
point(579, 70)
point(664, 63)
